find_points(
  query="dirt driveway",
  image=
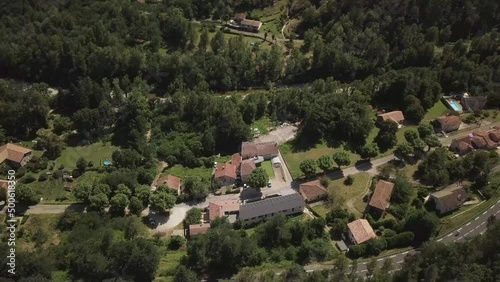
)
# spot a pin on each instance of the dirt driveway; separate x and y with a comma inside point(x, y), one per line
point(279, 135)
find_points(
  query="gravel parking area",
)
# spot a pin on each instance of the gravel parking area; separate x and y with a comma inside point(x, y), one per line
point(279, 135)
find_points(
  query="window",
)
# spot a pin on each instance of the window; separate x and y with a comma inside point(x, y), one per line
point(293, 209)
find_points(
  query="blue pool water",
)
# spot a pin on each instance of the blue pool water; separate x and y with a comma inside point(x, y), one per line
point(106, 162)
point(454, 106)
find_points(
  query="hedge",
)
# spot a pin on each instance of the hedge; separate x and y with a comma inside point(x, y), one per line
point(401, 240)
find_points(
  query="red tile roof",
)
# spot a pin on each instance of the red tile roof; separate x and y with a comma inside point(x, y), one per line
point(219, 208)
point(487, 142)
point(250, 150)
point(225, 169)
point(361, 230)
point(382, 195)
point(247, 167)
point(449, 123)
point(312, 190)
point(13, 152)
point(396, 116)
point(195, 229)
point(172, 182)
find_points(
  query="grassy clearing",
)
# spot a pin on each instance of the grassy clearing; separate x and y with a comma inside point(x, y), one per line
point(95, 153)
point(200, 172)
point(321, 210)
point(353, 192)
point(294, 158)
point(268, 167)
point(45, 223)
point(436, 111)
point(52, 191)
point(168, 263)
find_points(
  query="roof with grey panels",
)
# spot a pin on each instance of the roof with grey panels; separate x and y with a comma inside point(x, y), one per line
point(271, 205)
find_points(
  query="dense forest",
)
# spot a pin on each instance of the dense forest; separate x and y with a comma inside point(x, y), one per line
point(157, 80)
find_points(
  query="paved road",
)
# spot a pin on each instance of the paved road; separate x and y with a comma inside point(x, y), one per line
point(471, 229)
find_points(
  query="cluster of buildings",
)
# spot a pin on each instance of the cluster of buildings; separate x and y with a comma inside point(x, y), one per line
point(479, 139)
point(250, 213)
point(241, 166)
point(445, 201)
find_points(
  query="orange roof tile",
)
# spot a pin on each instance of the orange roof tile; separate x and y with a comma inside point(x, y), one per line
point(382, 195)
point(219, 208)
point(312, 190)
point(13, 152)
point(172, 182)
point(361, 230)
point(225, 169)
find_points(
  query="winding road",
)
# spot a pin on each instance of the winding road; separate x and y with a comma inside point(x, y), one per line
point(473, 228)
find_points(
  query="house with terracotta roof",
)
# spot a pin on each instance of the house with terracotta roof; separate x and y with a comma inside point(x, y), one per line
point(312, 191)
point(449, 199)
point(223, 208)
point(15, 155)
point(266, 150)
point(485, 141)
point(395, 116)
point(448, 123)
point(4, 184)
point(172, 182)
point(360, 231)
point(247, 167)
point(495, 135)
point(476, 140)
point(195, 229)
point(225, 174)
point(381, 198)
point(462, 145)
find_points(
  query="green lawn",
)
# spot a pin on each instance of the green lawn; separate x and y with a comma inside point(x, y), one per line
point(95, 153)
point(268, 167)
point(321, 210)
point(437, 110)
point(168, 263)
point(52, 191)
point(293, 159)
point(352, 193)
point(200, 172)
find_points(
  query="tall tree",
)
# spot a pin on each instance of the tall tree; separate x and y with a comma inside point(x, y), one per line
point(341, 158)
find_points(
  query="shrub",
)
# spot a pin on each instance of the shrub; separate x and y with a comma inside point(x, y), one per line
point(90, 164)
point(57, 174)
point(357, 251)
point(176, 242)
point(401, 240)
point(324, 181)
point(349, 180)
point(376, 246)
point(43, 176)
point(29, 178)
point(76, 173)
point(20, 172)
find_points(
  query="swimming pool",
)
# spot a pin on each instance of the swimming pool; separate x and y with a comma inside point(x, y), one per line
point(454, 106)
